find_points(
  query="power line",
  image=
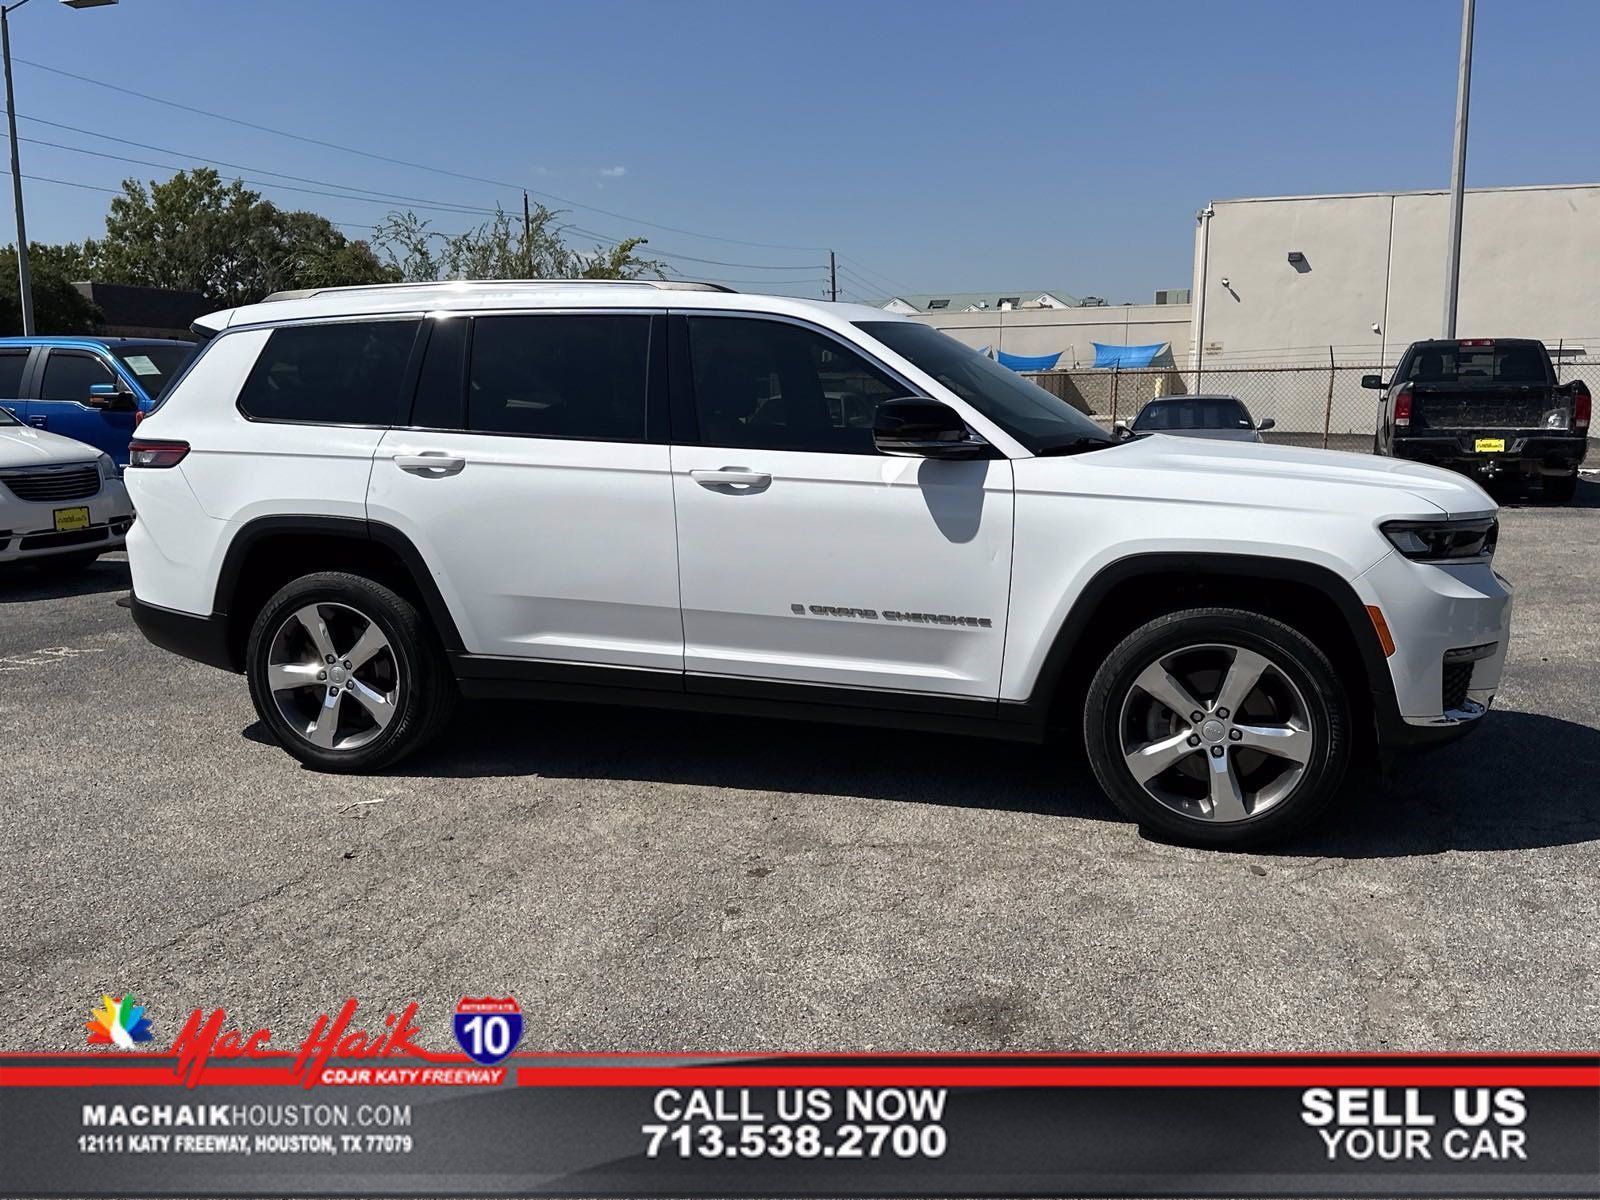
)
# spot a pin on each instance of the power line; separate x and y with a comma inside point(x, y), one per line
point(457, 210)
point(401, 162)
point(715, 262)
point(217, 162)
point(88, 187)
point(886, 281)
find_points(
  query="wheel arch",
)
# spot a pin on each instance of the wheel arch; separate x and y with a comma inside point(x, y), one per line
point(269, 551)
point(1130, 591)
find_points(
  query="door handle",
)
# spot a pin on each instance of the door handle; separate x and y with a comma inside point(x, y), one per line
point(733, 479)
point(431, 463)
point(38, 422)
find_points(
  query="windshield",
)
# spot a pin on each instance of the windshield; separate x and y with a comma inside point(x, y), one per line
point(1038, 420)
point(6, 418)
point(1199, 412)
point(154, 365)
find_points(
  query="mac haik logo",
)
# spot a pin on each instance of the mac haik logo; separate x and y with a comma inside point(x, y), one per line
point(119, 1022)
point(209, 1036)
point(488, 1029)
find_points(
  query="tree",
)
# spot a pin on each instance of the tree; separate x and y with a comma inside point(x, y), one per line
point(498, 249)
point(58, 307)
point(198, 234)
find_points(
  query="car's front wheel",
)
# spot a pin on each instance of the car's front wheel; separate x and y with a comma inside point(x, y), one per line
point(346, 674)
point(1218, 726)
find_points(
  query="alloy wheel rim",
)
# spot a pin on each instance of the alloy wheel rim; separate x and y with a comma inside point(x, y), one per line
point(1216, 732)
point(333, 676)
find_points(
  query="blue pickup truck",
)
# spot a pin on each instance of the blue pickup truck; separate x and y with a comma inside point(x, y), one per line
point(93, 389)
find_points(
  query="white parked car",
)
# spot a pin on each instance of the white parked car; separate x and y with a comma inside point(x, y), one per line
point(61, 503)
point(370, 501)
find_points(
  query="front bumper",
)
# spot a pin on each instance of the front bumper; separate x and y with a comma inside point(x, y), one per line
point(1431, 612)
point(28, 528)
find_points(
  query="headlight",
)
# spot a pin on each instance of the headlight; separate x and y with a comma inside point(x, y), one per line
point(1444, 541)
point(108, 469)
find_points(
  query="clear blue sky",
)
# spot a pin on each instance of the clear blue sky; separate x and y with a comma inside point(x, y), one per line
point(936, 145)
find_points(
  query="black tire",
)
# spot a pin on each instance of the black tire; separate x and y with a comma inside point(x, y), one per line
point(1199, 642)
point(1560, 488)
point(66, 564)
point(416, 672)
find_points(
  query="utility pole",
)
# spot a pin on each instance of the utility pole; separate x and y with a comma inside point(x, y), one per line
point(24, 283)
point(833, 277)
point(527, 227)
point(1458, 173)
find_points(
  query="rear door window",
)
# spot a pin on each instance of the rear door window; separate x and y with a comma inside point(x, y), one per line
point(11, 364)
point(562, 375)
point(344, 373)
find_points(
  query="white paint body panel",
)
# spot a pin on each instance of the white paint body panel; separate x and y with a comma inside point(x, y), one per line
point(543, 548)
point(608, 553)
point(845, 531)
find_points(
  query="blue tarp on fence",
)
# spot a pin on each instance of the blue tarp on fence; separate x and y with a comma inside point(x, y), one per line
point(1028, 362)
point(1127, 356)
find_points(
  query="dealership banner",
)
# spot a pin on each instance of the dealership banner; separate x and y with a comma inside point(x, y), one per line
point(366, 1109)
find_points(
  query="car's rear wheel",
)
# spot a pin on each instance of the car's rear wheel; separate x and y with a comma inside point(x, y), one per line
point(1560, 488)
point(1218, 726)
point(346, 674)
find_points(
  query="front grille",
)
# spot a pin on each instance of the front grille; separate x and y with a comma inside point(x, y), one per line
point(1457, 679)
point(52, 541)
point(48, 484)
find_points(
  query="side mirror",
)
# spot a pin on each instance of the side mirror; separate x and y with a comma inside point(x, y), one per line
point(110, 397)
point(916, 427)
point(1373, 381)
point(1120, 428)
point(1269, 423)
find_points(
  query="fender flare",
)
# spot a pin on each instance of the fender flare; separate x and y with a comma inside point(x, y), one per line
point(1238, 566)
point(253, 532)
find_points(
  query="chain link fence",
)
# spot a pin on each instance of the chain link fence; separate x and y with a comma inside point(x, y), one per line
point(1311, 405)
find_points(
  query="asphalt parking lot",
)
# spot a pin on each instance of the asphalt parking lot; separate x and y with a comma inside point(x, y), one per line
point(654, 881)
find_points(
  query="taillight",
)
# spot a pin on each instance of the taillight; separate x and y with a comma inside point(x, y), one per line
point(1476, 342)
point(138, 416)
point(156, 454)
point(1580, 404)
point(1402, 406)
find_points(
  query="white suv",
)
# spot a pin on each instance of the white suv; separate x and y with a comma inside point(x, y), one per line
point(372, 500)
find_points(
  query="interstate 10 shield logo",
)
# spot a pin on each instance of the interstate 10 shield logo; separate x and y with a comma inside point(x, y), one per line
point(488, 1029)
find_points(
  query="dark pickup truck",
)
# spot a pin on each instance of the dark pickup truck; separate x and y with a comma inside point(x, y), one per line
point(1488, 407)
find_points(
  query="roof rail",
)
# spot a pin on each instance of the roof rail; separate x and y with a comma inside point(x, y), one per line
point(662, 285)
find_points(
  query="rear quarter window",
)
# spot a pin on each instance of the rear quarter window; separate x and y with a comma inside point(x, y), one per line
point(345, 373)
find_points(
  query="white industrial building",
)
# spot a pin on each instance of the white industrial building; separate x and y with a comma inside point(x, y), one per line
point(1281, 279)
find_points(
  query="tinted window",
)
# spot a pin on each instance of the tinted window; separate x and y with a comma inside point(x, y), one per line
point(774, 386)
point(438, 402)
point(67, 376)
point(11, 364)
point(155, 366)
point(1502, 363)
point(347, 373)
point(1210, 412)
point(1041, 422)
point(560, 376)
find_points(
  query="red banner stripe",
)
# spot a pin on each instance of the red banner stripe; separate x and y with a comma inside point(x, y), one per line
point(1108, 1076)
point(1221, 1075)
